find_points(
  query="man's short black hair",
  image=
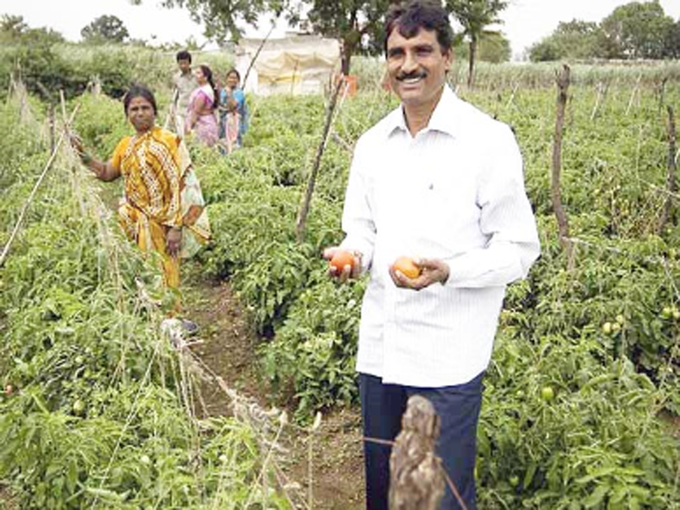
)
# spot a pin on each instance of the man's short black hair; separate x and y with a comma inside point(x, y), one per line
point(184, 55)
point(410, 17)
point(137, 90)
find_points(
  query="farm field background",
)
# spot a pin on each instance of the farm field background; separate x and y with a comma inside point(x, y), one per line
point(580, 398)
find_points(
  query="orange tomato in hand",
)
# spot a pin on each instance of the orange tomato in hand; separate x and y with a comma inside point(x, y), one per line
point(407, 267)
point(341, 259)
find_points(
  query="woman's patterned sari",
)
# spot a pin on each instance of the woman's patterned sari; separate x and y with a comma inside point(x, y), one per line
point(161, 191)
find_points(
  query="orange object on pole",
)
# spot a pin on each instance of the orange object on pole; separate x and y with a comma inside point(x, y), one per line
point(350, 84)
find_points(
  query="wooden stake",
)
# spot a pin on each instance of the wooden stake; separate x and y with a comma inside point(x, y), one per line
point(563, 82)
point(601, 92)
point(416, 476)
point(671, 182)
point(662, 92)
point(53, 137)
point(257, 54)
point(512, 95)
point(304, 210)
point(635, 92)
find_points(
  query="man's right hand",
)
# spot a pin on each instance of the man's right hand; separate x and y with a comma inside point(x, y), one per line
point(349, 260)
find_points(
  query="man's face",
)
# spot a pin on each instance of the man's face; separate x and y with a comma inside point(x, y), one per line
point(184, 66)
point(416, 66)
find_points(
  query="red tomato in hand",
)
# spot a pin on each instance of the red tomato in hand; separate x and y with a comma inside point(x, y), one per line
point(341, 259)
point(407, 267)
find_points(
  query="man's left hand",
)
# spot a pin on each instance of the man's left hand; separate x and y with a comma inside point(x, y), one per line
point(174, 241)
point(432, 271)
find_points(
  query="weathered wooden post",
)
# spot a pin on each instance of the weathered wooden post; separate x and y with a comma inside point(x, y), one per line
point(671, 182)
point(301, 222)
point(563, 82)
point(416, 475)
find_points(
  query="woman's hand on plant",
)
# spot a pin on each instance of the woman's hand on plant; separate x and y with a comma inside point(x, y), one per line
point(76, 142)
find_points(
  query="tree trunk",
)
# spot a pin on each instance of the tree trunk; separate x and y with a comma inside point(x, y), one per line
point(471, 64)
point(345, 62)
point(346, 53)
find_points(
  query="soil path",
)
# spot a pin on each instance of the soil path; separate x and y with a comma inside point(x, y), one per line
point(230, 350)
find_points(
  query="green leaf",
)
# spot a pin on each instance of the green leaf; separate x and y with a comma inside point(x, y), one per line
point(72, 477)
point(597, 497)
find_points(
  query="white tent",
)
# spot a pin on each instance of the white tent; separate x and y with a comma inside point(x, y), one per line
point(301, 64)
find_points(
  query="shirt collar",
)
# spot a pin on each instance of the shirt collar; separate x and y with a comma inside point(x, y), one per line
point(445, 118)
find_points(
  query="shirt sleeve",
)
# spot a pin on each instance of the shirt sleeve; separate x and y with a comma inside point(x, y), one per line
point(357, 217)
point(506, 219)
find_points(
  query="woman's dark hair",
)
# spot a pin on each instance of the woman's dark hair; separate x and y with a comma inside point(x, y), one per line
point(184, 55)
point(139, 91)
point(411, 17)
point(207, 72)
point(234, 71)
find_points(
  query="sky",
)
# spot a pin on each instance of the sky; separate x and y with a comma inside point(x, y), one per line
point(524, 21)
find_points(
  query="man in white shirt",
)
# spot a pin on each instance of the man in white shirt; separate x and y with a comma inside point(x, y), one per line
point(184, 83)
point(441, 182)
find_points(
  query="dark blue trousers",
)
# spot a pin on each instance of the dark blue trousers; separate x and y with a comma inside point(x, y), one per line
point(382, 406)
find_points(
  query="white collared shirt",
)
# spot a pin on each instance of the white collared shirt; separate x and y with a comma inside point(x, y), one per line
point(454, 192)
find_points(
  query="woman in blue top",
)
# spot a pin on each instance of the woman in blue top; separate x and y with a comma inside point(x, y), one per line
point(229, 94)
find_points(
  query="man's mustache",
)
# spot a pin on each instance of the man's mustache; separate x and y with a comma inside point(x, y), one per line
point(412, 76)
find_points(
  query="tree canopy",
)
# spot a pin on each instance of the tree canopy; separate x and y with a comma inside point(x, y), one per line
point(637, 30)
point(475, 16)
point(632, 31)
point(13, 29)
point(225, 19)
point(106, 28)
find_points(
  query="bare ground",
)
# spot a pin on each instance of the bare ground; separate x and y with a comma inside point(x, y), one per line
point(230, 350)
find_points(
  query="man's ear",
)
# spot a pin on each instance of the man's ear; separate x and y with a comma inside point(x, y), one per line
point(448, 55)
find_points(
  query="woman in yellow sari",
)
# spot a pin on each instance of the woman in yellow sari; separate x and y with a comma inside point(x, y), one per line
point(162, 208)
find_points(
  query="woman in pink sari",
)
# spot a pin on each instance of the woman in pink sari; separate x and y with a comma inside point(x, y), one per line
point(201, 110)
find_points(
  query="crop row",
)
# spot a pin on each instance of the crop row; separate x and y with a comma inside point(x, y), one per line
point(91, 413)
point(587, 350)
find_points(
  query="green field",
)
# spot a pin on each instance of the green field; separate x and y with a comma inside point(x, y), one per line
point(586, 367)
